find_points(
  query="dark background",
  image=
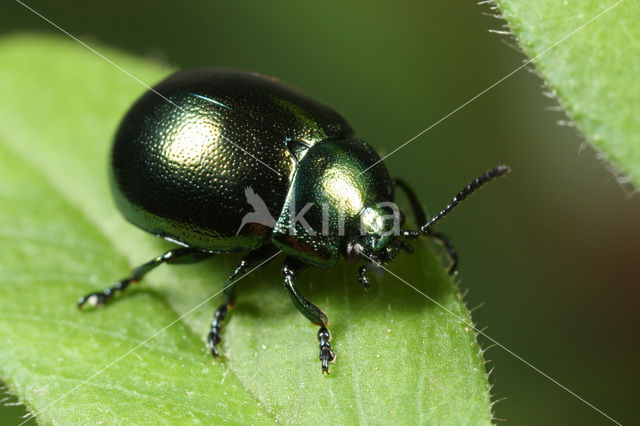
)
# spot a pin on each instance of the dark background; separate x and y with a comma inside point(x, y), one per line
point(550, 251)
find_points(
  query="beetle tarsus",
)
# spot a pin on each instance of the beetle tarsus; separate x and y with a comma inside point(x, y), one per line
point(326, 353)
point(214, 337)
point(362, 277)
point(100, 298)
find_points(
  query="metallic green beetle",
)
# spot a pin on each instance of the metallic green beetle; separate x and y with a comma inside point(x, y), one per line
point(221, 161)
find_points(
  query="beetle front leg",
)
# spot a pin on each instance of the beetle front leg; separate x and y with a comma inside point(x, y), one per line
point(290, 270)
point(247, 264)
point(448, 246)
point(421, 217)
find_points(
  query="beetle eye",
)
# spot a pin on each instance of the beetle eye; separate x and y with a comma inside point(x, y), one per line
point(353, 252)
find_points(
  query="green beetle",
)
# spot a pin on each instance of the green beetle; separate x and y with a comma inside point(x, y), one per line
point(220, 161)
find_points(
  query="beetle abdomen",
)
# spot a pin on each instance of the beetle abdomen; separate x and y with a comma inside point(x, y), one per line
point(181, 165)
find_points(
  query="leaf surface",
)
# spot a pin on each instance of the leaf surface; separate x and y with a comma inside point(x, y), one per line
point(400, 357)
point(588, 53)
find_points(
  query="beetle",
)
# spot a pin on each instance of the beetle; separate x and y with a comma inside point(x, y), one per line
point(195, 151)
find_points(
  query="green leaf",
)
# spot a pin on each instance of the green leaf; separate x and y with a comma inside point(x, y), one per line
point(401, 358)
point(593, 70)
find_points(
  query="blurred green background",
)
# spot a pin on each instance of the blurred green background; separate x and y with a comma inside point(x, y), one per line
point(550, 252)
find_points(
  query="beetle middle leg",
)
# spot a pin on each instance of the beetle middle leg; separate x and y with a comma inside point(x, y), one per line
point(183, 255)
point(290, 270)
point(249, 262)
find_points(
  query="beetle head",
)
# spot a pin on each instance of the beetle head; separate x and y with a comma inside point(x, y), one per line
point(377, 240)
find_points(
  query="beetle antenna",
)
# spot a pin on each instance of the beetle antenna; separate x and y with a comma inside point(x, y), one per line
point(486, 177)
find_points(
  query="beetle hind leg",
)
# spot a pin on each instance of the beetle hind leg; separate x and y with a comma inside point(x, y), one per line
point(290, 270)
point(178, 256)
point(247, 264)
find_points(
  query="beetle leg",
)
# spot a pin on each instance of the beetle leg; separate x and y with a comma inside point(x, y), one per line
point(451, 250)
point(249, 262)
point(290, 270)
point(178, 256)
point(405, 246)
point(418, 211)
point(362, 277)
point(421, 217)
